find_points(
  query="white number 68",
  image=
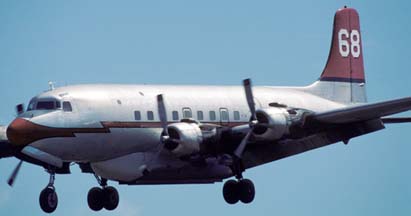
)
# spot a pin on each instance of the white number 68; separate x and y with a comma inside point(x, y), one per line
point(344, 46)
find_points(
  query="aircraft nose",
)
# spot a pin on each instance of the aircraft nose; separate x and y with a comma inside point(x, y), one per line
point(20, 131)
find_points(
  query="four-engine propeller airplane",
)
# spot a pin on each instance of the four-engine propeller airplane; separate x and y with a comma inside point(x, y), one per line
point(159, 134)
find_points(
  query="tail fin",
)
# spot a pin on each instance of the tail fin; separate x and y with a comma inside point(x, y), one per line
point(343, 79)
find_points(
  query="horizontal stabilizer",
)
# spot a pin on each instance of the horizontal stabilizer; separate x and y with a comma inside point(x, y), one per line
point(363, 112)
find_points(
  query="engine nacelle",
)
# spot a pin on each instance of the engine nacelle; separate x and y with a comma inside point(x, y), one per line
point(3, 134)
point(185, 138)
point(273, 123)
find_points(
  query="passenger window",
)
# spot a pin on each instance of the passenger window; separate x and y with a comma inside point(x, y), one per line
point(137, 115)
point(58, 104)
point(200, 116)
point(187, 113)
point(224, 115)
point(175, 115)
point(150, 115)
point(212, 116)
point(67, 106)
point(236, 115)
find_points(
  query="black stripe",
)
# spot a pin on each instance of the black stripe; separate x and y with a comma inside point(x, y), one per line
point(396, 120)
point(341, 79)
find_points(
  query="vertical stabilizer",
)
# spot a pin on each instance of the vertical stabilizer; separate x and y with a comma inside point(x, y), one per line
point(343, 79)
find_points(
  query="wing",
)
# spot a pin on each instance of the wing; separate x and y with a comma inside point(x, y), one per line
point(362, 112)
point(330, 127)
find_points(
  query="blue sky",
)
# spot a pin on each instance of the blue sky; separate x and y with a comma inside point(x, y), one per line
point(212, 42)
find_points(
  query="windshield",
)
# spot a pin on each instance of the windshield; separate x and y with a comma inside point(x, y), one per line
point(46, 105)
point(50, 104)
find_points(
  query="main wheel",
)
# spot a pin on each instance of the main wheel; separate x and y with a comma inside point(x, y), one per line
point(48, 199)
point(230, 191)
point(111, 198)
point(246, 190)
point(95, 198)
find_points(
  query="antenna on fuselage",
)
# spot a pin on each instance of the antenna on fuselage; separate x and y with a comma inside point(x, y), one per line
point(51, 85)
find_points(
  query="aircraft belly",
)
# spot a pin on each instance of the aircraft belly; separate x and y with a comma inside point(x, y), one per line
point(152, 168)
point(86, 147)
point(125, 168)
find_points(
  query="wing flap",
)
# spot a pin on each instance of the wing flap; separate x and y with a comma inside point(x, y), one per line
point(363, 112)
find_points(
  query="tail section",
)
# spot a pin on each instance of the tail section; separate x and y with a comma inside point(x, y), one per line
point(343, 79)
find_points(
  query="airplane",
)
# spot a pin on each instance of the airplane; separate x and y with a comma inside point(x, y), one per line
point(169, 134)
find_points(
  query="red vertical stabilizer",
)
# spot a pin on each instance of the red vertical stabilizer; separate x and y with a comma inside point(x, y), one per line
point(345, 60)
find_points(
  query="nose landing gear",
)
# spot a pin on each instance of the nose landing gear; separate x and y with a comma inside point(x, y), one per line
point(98, 197)
point(105, 197)
point(48, 197)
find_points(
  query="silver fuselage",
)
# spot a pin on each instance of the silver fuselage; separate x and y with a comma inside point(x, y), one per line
point(107, 133)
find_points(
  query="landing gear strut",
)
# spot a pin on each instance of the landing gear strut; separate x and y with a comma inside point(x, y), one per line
point(238, 190)
point(105, 197)
point(48, 197)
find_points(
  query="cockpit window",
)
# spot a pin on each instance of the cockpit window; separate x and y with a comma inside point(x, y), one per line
point(46, 105)
point(67, 106)
point(31, 105)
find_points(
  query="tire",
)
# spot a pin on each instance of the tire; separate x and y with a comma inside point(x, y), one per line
point(95, 199)
point(246, 190)
point(230, 192)
point(48, 200)
point(111, 198)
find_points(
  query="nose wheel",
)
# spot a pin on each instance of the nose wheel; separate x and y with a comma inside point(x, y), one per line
point(48, 197)
point(103, 197)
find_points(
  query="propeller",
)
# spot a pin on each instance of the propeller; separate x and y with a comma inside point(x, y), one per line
point(240, 149)
point(250, 98)
point(8, 150)
point(14, 174)
point(165, 137)
point(162, 113)
point(253, 120)
point(163, 116)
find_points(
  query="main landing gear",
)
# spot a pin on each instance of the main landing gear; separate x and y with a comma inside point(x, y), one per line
point(105, 197)
point(242, 190)
point(238, 190)
point(48, 196)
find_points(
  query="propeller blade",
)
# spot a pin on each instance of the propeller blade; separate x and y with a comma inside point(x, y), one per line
point(251, 105)
point(264, 125)
point(162, 113)
point(240, 149)
point(14, 174)
point(250, 98)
